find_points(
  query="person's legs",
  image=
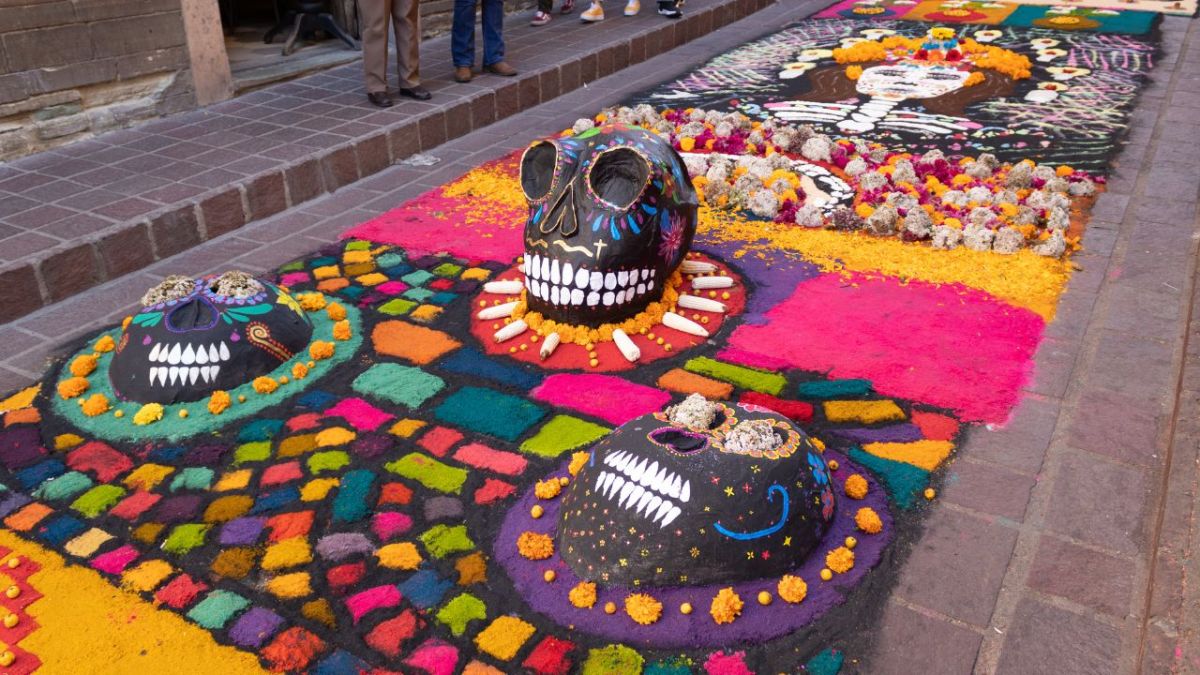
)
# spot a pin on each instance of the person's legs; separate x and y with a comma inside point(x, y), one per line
point(493, 32)
point(406, 17)
point(375, 43)
point(462, 34)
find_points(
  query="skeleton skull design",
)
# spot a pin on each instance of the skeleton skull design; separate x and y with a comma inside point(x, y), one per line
point(657, 501)
point(190, 340)
point(611, 215)
point(908, 80)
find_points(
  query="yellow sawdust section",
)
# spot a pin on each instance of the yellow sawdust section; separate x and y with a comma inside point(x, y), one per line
point(926, 455)
point(87, 625)
point(1024, 279)
point(495, 182)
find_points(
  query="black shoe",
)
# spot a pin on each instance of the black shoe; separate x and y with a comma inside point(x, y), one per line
point(669, 9)
point(380, 99)
point(418, 92)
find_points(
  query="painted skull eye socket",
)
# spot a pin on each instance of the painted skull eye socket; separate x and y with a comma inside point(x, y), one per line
point(679, 441)
point(618, 177)
point(537, 170)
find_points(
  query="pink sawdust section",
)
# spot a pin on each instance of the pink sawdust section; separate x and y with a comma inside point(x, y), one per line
point(472, 227)
point(945, 345)
point(612, 399)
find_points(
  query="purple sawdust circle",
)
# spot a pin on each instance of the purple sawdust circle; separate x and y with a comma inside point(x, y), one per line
point(674, 630)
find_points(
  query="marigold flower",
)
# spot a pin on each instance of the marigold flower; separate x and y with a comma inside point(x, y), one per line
point(341, 330)
point(148, 414)
point(218, 402)
point(868, 521)
point(105, 344)
point(534, 546)
point(335, 311)
point(96, 404)
point(583, 595)
point(792, 589)
point(72, 387)
point(726, 606)
point(643, 608)
point(320, 350)
point(547, 489)
point(856, 487)
point(840, 560)
point(265, 385)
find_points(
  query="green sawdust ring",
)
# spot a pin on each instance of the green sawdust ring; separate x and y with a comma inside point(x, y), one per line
point(172, 427)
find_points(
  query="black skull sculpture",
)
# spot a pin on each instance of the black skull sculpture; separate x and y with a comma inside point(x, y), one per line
point(659, 501)
point(611, 215)
point(197, 336)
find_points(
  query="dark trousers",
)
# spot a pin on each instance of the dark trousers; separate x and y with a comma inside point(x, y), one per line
point(462, 33)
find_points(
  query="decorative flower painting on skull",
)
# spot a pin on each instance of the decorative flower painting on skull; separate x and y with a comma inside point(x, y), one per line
point(1020, 93)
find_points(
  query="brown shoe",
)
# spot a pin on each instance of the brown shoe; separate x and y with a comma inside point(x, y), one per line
point(501, 68)
point(463, 74)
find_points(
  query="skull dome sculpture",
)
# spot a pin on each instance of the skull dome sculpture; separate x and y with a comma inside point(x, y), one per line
point(196, 336)
point(688, 489)
point(611, 215)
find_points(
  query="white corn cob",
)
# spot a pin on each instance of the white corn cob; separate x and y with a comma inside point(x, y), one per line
point(629, 350)
point(508, 287)
point(683, 324)
point(549, 345)
point(498, 311)
point(701, 304)
point(704, 283)
point(696, 267)
point(512, 330)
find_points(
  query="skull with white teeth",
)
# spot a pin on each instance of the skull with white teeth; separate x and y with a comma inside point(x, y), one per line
point(611, 215)
point(659, 500)
point(196, 336)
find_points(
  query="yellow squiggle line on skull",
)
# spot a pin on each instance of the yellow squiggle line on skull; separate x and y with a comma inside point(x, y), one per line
point(573, 249)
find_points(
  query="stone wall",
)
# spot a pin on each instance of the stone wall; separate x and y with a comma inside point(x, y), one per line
point(73, 68)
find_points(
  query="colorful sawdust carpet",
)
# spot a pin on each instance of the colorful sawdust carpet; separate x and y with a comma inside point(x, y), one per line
point(953, 12)
point(1071, 108)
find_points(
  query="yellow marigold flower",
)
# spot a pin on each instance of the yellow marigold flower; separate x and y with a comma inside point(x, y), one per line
point(792, 589)
point(1064, 171)
point(299, 371)
point(341, 330)
point(547, 489)
point(534, 546)
point(83, 365)
point(1008, 209)
point(854, 72)
point(335, 311)
point(148, 414)
point(72, 387)
point(125, 322)
point(687, 144)
point(218, 402)
point(868, 521)
point(840, 560)
point(864, 210)
point(96, 404)
point(953, 222)
point(105, 344)
point(856, 487)
point(577, 461)
point(265, 385)
point(583, 595)
point(643, 608)
point(320, 350)
point(961, 179)
point(726, 606)
point(311, 302)
point(973, 79)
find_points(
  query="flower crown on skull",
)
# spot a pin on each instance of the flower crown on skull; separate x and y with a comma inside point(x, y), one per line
point(939, 48)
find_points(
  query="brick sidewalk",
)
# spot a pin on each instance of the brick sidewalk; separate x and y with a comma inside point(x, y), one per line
point(96, 210)
point(1062, 542)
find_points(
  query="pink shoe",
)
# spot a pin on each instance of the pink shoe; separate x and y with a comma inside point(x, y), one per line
point(568, 6)
point(540, 19)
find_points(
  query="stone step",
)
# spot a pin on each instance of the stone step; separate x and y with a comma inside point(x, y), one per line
point(94, 211)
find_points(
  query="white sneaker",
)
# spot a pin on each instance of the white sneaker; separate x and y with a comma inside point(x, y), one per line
point(593, 14)
point(632, 8)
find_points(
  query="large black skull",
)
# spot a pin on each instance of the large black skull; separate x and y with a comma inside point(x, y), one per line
point(611, 215)
point(191, 340)
point(658, 501)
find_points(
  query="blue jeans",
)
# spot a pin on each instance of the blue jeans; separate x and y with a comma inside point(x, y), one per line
point(462, 33)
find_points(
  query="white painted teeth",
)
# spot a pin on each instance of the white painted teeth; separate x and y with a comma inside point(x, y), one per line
point(638, 484)
point(551, 281)
point(186, 364)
